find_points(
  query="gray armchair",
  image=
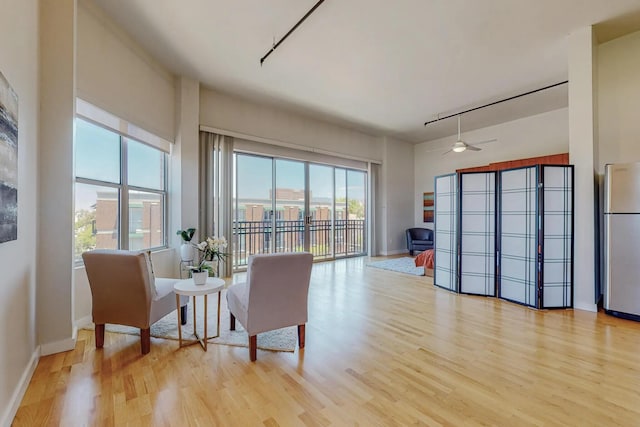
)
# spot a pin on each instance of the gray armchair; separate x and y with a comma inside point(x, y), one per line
point(419, 239)
point(124, 292)
point(273, 297)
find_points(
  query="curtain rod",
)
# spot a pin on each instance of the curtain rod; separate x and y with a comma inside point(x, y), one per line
point(279, 143)
point(496, 102)
point(275, 46)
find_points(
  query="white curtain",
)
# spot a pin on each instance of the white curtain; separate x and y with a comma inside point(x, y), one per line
point(216, 191)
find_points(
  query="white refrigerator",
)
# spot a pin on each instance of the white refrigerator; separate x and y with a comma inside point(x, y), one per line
point(622, 240)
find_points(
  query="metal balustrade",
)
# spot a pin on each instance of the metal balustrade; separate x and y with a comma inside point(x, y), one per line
point(254, 237)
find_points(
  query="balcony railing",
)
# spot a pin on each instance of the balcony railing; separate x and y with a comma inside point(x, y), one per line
point(254, 237)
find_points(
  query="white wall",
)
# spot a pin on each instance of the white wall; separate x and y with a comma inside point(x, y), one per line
point(618, 110)
point(114, 73)
point(18, 345)
point(618, 66)
point(396, 198)
point(185, 183)
point(229, 113)
point(55, 175)
point(117, 75)
point(539, 135)
point(582, 154)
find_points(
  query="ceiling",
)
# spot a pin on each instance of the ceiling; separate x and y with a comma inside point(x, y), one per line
point(377, 66)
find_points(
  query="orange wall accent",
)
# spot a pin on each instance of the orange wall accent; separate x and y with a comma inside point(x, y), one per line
point(553, 159)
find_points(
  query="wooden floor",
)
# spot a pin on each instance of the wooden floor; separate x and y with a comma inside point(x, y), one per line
point(382, 349)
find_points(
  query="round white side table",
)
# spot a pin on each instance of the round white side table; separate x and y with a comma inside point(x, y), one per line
point(188, 288)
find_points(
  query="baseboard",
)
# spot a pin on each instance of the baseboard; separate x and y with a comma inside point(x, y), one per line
point(20, 390)
point(586, 307)
point(60, 346)
point(83, 322)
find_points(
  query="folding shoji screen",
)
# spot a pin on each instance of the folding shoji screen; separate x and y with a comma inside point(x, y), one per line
point(557, 236)
point(478, 233)
point(518, 226)
point(536, 236)
point(446, 232)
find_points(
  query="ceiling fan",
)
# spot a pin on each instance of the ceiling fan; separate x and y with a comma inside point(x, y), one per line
point(459, 146)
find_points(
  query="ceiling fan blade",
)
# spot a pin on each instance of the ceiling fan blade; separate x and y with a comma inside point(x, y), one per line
point(473, 148)
point(446, 152)
point(486, 141)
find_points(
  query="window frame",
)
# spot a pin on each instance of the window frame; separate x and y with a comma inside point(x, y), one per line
point(124, 188)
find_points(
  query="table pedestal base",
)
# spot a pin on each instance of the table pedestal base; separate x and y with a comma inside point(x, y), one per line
point(198, 339)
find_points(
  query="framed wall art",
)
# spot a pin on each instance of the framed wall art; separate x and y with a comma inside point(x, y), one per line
point(427, 207)
point(8, 162)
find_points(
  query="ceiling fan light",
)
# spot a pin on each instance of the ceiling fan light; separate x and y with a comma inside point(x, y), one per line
point(459, 147)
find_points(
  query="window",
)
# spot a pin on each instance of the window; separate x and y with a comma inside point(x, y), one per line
point(120, 191)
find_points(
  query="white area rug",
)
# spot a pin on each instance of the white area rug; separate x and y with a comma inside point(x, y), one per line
point(284, 339)
point(402, 265)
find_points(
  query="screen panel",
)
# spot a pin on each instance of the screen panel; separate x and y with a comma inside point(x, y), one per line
point(477, 233)
point(445, 266)
point(557, 265)
point(517, 259)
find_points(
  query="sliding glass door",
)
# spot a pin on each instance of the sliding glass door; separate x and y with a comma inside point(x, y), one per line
point(289, 200)
point(321, 208)
point(350, 202)
point(283, 205)
point(252, 207)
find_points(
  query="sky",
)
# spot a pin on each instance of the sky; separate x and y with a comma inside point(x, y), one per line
point(254, 178)
point(98, 157)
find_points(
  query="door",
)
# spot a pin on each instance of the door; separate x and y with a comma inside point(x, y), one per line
point(320, 219)
point(269, 206)
point(252, 207)
point(350, 209)
point(290, 209)
point(356, 208)
point(283, 205)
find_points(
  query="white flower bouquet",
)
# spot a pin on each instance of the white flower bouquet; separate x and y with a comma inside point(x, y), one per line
point(210, 249)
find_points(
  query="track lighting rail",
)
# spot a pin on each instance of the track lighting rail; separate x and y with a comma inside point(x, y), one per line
point(497, 102)
point(275, 46)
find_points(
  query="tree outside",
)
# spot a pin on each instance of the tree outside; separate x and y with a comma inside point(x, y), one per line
point(354, 206)
point(85, 236)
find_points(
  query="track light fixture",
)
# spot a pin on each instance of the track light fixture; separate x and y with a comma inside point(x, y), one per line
point(275, 46)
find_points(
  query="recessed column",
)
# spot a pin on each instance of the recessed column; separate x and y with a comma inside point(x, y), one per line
point(55, 168)
point(582, 154)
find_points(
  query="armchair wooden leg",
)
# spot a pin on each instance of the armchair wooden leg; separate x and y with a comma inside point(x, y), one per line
point(100, 336)
point(253, 347)
point(183, 314)
point(232, 322)
point(145, 340)
point(301, 336)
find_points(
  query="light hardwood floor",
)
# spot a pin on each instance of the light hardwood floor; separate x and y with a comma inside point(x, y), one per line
point(382, 348)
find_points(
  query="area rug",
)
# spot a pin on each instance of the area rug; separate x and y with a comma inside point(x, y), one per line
point(402, 265)
point(284, 339)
